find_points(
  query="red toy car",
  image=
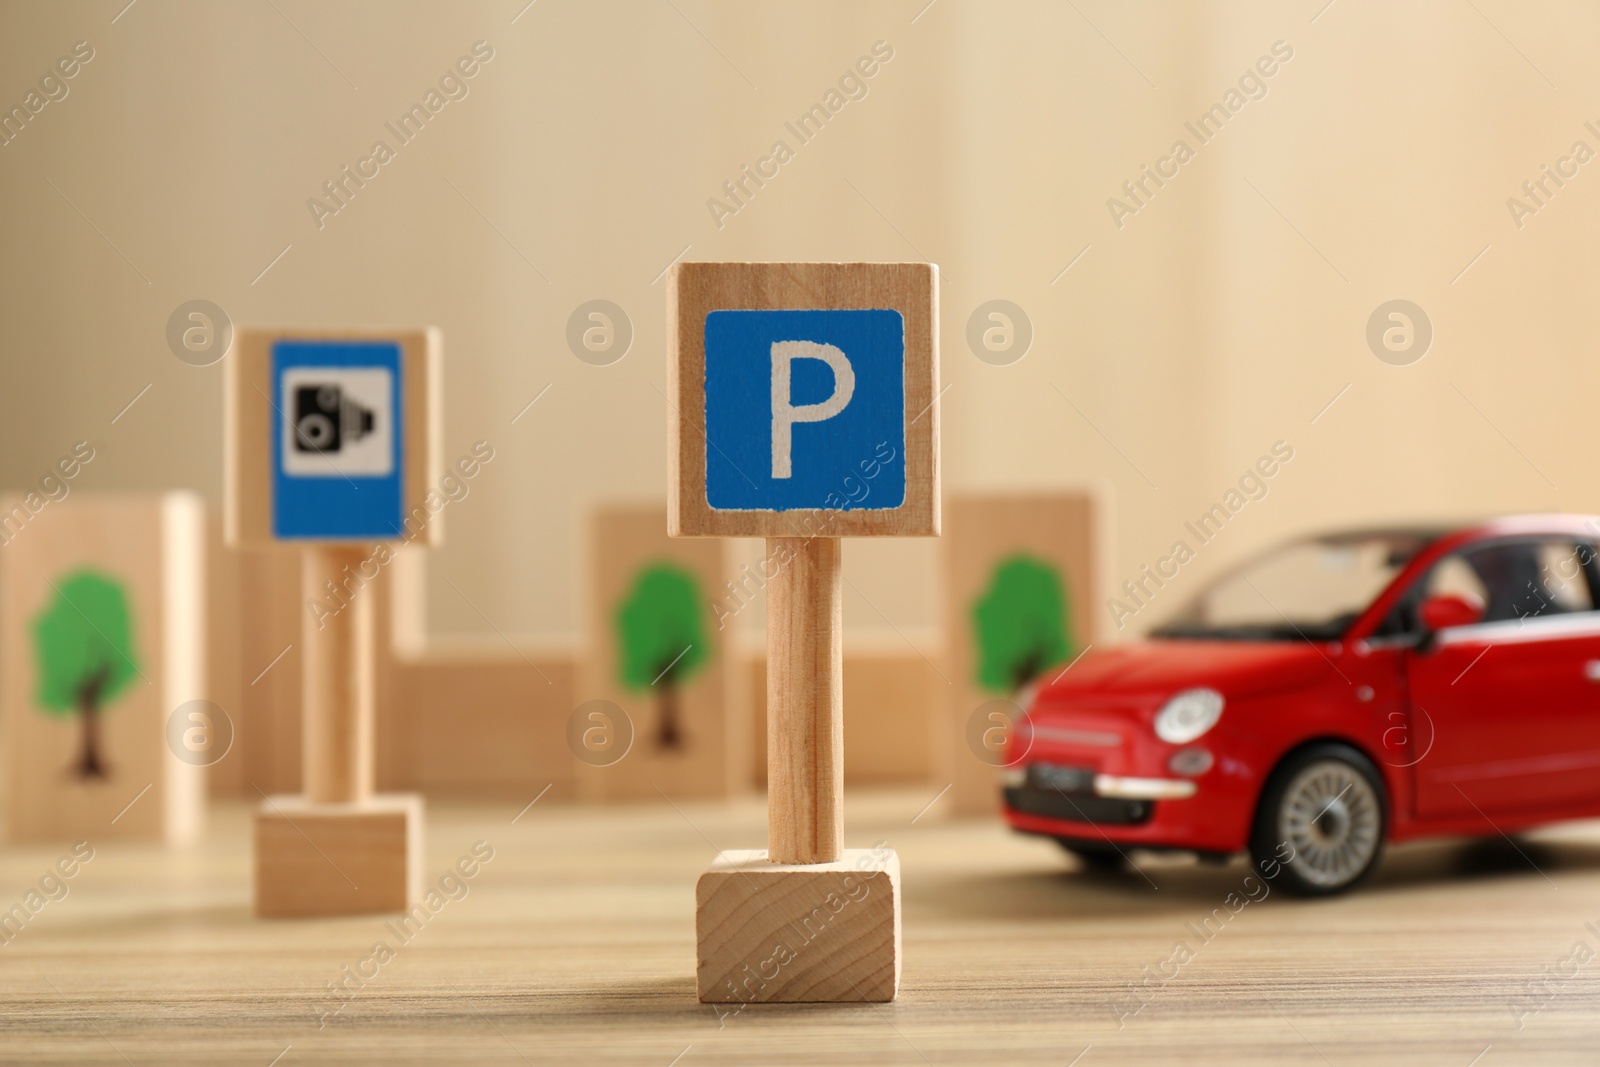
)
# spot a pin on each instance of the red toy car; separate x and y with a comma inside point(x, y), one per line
point(1332, 695)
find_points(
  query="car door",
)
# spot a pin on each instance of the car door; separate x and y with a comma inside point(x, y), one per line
point(1513, 701)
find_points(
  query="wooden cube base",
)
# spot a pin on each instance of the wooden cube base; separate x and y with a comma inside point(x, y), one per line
point(796, 933)
point(338, 859)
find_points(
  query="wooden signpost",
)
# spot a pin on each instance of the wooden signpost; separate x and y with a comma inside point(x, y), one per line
point(332, 447)
point(802, 401)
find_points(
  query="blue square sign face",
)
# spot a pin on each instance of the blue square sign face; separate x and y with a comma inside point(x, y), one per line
point(799, 404)
point(336, 440)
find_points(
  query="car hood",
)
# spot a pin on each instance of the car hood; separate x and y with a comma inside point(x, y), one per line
point(1160, 668)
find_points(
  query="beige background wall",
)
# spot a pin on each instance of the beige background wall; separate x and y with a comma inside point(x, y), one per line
point(1221, 317)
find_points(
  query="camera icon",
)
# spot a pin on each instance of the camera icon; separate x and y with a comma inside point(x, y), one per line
point(324, 419)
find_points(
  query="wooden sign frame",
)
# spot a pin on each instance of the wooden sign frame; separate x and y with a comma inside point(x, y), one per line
point(694, 290)
point(249, 411)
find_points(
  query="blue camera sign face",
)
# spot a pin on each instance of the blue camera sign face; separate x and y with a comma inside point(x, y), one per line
point(799, 403)
point(337, 460)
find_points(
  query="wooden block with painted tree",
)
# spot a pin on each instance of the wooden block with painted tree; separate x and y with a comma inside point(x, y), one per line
point(661, 705)
point(104, 726)
point(333, 440)
point(1021, 573)
point(803, 409)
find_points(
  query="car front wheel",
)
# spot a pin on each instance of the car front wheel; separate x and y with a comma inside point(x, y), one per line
point(1321, 824)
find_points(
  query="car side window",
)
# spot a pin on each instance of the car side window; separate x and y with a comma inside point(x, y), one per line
point(1515, 578)
point(1532, 578)
point(1566, 576)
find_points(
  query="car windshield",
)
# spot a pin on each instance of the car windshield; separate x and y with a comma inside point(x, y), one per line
point(1310, 590)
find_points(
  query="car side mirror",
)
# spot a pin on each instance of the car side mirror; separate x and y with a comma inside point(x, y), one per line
point(1445, 610)
point(1448, 609)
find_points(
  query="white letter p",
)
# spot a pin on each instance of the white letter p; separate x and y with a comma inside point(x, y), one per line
point(785, 414)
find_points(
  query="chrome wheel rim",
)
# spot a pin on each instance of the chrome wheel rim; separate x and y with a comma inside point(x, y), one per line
point(1331, 817)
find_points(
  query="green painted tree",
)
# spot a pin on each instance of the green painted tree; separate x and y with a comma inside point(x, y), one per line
point(662, 642)
point(1020, 624)
point(83, 648)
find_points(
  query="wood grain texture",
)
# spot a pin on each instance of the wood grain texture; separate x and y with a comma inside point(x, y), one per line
point(471, 718)
point(696, 289)
point(338, 849)
point(226, 678)
point(620, 540)
point(337, 859)
point(805, 701)
point(576, 944)
point(153, 547)
point(339, 680)
point(248, 416)
point(1060, 528)
point(272, 662)
point(771, 933)
point(458, 717)
point(897, 706)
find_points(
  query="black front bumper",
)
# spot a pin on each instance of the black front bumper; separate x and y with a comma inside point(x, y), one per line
point(1077, 806)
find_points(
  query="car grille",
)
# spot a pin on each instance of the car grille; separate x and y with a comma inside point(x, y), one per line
point(1059, 792)
point(1053, 778)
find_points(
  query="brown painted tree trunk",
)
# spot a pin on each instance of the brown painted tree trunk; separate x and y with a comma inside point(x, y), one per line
point(1026, 670)
point(668, 737)
point(89, 764)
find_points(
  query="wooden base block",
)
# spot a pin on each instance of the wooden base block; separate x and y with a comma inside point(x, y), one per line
point(796, 933)
point(338, 859)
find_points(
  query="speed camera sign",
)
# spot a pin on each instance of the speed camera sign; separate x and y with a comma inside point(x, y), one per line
point(332, 436)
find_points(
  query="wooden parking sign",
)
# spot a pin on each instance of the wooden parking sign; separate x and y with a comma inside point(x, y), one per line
point(332, 436)
point(804, 396)
point(804, 410)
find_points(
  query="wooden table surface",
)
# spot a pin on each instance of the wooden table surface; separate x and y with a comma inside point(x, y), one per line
point(575, 944)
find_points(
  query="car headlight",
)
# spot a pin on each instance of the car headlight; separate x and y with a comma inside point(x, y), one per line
point(1188, 715)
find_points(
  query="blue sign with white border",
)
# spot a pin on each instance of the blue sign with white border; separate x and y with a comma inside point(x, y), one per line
point(799, 403)
point(337, 440)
